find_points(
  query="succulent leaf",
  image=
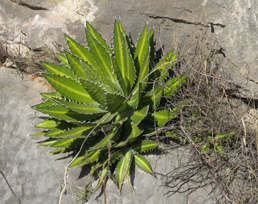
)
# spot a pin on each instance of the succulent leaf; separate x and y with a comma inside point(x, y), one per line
point(129, 73)
point(95, 92)
point(92, 156)
point(153, 96)
point(76, 132)
point(128, 40)
point(135, 98)
point(163, 65)
point(50, 95)
point(142, 163)
point(163, 116)
point(102, 178)
point(118, 47)
point(124, 87)
point(173, 85)
point(62, 59)
point(81, 108)
point(97, 36)
point(136, 131)
point(123, 116)
point(62, 126)
point(58, 70)
point(80, 51)
point(123, 57)
point(152, 47)
point(142, 47)
point(144, 146)
point(80, 160)
point(114, 102)
point(110, 138)
point(108, 117)
point(103, 58)
point(123, 168)
point(144, 71)
point(58, 150)
point(98, 78)
point(45, 103)
point(38, 133)
point(48, 142)
point(54, 132)
point(63, 142)
point(130, 134)
point(139, 115)
point(116, 155)
point(48, 124)
point(75, 65)
point(63, 113)
point(69, 88)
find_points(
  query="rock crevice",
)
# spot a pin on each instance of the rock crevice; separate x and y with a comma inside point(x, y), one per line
point(30, 6)
point(176, 20)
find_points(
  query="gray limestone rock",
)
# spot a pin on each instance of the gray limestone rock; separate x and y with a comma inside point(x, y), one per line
point(34, 174)
point(233, 25)
point(37, 24)
point(31, 30)
point(239, 40)
point(175, 179)
point(28, 28)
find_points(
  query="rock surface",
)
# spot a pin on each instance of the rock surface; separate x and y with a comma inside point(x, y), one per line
point(28, 27)
point(34, 174)
point(233, 25)
point(37, 23)
point(175, 180)
point(239, 39)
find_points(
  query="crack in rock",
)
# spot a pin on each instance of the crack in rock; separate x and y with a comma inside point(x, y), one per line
point(32, 7)
point(177, 20)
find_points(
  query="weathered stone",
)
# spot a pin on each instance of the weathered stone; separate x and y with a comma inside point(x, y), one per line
point(29, 26)
point(239, 39)
point(30, 30)
point(34, 174)
point(174, 181)
point(40, 23)
point(182, 24)
point(178, 24)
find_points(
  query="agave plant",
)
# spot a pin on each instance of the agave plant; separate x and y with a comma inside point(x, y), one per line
point(106, 101)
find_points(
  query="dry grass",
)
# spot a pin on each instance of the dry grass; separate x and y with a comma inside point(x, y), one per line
point(24, 59)
point(210, 110)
